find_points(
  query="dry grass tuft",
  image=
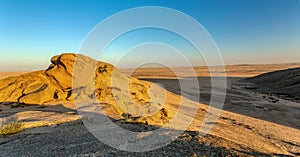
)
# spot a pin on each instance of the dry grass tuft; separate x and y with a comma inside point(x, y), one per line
point(11, 128)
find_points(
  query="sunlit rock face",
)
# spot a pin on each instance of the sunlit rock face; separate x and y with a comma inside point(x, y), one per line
point(74, 77)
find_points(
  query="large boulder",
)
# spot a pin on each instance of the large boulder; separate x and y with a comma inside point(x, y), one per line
point(74, 77)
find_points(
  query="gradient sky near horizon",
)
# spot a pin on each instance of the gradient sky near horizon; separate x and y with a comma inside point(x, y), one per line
point(246, 32)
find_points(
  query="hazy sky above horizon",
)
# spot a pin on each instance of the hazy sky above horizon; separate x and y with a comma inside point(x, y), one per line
point(248, 31)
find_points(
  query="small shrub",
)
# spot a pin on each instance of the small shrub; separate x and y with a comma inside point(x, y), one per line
point(11, 128)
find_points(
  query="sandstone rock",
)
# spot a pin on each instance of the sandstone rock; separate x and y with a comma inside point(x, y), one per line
point(74, 77)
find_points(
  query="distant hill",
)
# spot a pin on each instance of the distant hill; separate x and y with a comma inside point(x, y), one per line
point(284, 83)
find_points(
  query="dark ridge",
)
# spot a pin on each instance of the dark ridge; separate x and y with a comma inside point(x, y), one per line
point(283, 83)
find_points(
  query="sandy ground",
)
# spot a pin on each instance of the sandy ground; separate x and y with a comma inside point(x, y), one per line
point(231, 71)
point(251, 124)
point(240, 101)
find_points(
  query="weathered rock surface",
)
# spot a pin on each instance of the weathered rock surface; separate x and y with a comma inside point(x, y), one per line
point(74, 77)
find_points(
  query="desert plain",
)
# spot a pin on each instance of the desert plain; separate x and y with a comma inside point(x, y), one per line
point(260, 116)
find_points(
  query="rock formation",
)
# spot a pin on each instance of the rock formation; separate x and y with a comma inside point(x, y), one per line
point(74, 77)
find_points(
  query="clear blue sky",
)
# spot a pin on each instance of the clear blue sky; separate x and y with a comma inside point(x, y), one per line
point(248, 31)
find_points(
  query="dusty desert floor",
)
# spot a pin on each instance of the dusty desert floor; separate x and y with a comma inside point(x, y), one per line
point(252, 123)
point(244, 70)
